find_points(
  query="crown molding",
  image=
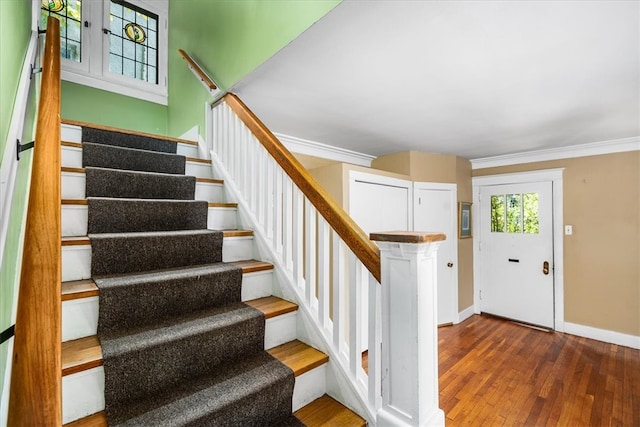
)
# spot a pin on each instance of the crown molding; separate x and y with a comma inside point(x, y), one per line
point(318, 149)
point(572, 151)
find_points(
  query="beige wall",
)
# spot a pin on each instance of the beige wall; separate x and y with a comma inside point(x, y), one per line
point(432, 167)
point(602, 257)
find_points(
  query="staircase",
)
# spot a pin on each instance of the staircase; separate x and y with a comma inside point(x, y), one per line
point(166, 313)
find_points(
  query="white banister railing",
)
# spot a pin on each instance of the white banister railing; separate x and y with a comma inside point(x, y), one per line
point(327, 277)
point(333, 285)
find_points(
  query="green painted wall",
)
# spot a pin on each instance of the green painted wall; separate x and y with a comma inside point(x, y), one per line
point(229, 39)
point(15, 31)
point(91, 105)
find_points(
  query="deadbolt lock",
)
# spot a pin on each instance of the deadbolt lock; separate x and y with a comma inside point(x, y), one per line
point(545, 267)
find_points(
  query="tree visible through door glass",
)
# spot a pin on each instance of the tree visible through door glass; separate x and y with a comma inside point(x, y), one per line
point(515, 213)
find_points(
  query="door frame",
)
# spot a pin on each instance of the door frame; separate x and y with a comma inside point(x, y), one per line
point(453, 193)
point(555, 177)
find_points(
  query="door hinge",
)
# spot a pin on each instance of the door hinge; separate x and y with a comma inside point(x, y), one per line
point(480, 294)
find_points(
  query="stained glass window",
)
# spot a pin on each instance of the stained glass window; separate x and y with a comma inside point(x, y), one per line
point(133, 42)
point(69, 13)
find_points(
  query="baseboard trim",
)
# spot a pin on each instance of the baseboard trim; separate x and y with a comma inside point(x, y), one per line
point(466, 313)
point(613, 337)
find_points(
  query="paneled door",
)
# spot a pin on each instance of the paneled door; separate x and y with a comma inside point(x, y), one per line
point(516, 252)
point(434, 209)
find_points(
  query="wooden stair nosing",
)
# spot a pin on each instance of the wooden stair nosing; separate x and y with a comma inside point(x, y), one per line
point(298, 356)
point(78, 289)
point(84, 240)
point(326, 411)
point(188, 159)
point(127, 131)
point(83, 202)
point(201, 180)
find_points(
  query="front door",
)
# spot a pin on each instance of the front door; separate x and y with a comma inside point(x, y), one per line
point(516, 252)
point(434, 210)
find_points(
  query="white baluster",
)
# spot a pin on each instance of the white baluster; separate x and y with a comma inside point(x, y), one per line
point(323, 272)
point(260, 171)
point(298, 219)
point(375, 341)
point(287, 222)
point(355, 310)
point(338, 289)
point(270, 197)
point(310, 252)
point(278, 212)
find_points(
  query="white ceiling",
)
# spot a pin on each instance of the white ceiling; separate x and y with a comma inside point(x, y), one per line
point(471, 78)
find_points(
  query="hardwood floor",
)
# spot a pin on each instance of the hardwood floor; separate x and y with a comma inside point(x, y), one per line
point(496, 373)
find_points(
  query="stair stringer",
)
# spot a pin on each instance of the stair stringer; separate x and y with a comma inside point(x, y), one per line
point(339, 386)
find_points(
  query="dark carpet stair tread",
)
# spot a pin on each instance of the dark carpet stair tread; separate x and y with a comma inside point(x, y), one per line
point(106, 182)
point(327, 411)
point(198, 179)
point(147, 297)
point(124, 158)
point(78, 289)
point(121, 215)
point(82, 124)
point(140, 361)
point(243, 392)
point(127, 139)
point(86, 353)
point(119, 253)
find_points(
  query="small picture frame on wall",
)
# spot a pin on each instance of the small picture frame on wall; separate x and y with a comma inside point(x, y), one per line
point(464, 220)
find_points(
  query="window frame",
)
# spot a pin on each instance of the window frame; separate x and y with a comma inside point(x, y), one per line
point(93, 70)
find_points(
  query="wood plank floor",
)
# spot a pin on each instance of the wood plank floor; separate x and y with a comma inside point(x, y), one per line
point(496, 373)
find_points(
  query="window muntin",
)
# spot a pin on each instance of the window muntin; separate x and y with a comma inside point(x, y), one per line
point(515, 213)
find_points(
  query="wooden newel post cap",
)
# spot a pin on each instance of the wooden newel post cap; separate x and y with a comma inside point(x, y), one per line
point(407, 237)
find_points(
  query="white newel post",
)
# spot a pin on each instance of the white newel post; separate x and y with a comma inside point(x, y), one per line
point(409, 329)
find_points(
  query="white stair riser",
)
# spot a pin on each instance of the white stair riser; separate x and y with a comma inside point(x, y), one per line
point(72, 158)
point(83, 393)
point(80, 316)
point(73, 187)
point(309, 387)
point(76, 259)
point(71, 133)
point(74, 220)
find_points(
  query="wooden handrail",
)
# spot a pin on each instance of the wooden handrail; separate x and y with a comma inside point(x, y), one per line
point(36, 378)
point(337, 218)
point(204, 78)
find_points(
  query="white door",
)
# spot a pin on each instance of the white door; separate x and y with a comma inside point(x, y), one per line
point(434, 210)
point(378, 203)
point(516, 252)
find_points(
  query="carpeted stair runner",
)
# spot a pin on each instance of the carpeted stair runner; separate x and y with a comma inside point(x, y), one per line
point(108, 156)
point(124, 215)
point(179, 347)
point(102, 182)
point(119, 139)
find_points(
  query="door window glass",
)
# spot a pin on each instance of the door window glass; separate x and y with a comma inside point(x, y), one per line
point(515, 213)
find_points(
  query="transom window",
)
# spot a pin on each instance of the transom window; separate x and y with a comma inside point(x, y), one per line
point(515, 213)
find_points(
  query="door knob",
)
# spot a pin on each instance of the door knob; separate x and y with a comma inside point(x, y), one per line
point(449, 264)
point(545, 267)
